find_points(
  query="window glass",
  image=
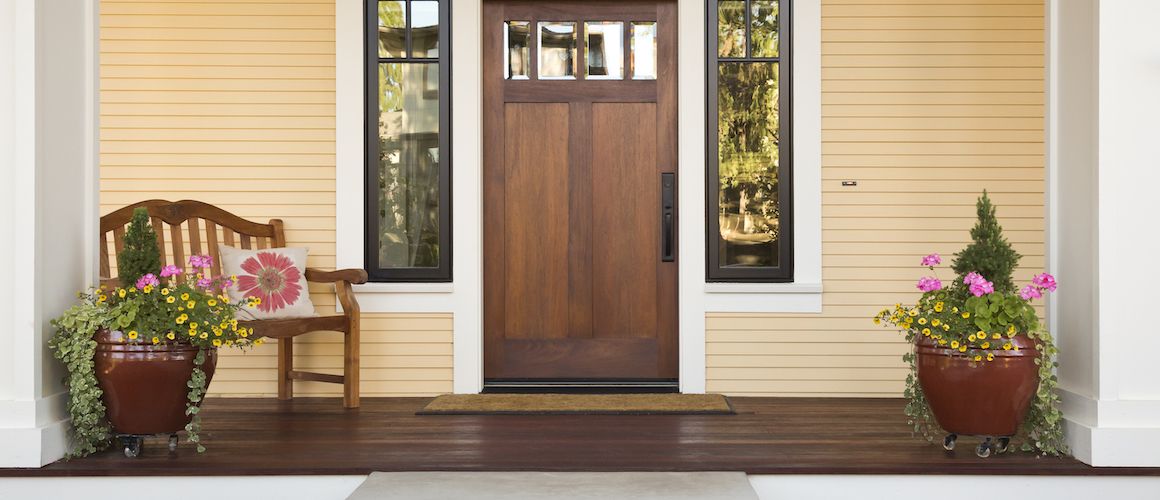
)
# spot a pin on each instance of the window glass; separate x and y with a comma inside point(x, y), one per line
point(392, 28)
point(763, 22)
point(424, 29)
point(518, 38)
point(605, 50)
point(644, 51)
point(731, 28)
point(557, 51)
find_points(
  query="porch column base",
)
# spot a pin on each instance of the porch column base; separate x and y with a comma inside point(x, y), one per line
point(1112, 433)
point(32, 433)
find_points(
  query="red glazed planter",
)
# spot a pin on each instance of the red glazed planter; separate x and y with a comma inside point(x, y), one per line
point(144, 385)
point(985, 398)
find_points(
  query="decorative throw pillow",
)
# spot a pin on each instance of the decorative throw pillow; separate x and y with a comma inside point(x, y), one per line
point(277, 276)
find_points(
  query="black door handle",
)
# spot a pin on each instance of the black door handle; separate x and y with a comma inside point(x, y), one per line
point(668, 235)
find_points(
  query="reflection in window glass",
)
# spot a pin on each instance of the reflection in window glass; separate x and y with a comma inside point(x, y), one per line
point(408, 165)
point(731, 28)
point(424, 29)
point(557, 51)
point(517, 36)
point(605, 56)
point(763, 21)
point(644, 51)
point(747, 163)
point(392, 29)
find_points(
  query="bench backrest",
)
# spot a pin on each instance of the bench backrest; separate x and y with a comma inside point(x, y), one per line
point(204, 227)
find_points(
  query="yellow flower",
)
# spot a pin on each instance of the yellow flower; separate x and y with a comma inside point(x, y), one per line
point(185, 296)
point(193, 325)
point(169, 300)
point(912, 313)
point(966, 314)
point(935, 322)
point(955, 344)
point(942, 342)
point(978, 357)
point(180, 319)
point(922, 321)
point(102, 298)
point(164, 291)
point(981, 334)
point(955, 310)
point(971, 338)
point(121, 292)
point(217, 332)
point(217, 342)
point(990, 357)
point(963, 348)
point(156, 340)
point(996, 336)
point(211, 302)
point(170, 336)
point(132, 334)
point(1007, 346)
point(877, 320)
point(192, 332)
point(938, 306)
point(926, 331)
point(233, 277)
point(985, 345)
point(946, 327)
point(244, 334)
point(204, 335)
point(1011, 335)
point(132, 290)
point(190, 304)
point(147, 288)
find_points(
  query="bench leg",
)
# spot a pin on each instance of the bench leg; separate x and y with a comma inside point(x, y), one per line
point(350, 367)
point(285, 364)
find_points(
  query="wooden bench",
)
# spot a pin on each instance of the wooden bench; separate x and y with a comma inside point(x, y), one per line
point(210, 225)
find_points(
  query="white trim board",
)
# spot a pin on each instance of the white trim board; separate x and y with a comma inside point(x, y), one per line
point(464, 298)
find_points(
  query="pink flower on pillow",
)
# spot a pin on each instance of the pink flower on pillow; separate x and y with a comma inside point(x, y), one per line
point(272, 278)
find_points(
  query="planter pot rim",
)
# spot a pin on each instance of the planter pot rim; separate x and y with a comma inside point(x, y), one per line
point(1025, 344)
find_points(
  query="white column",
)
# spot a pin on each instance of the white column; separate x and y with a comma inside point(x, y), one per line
point(48, 207)
point(1104, 79)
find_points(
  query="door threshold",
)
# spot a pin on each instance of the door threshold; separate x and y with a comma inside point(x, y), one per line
point(581, 386)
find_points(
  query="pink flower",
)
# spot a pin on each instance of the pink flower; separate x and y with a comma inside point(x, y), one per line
point(1044, 281)
point(1030, 292)
point(170, 270)
point(929, 284)
point(147, 280)
point(931, 260)
point(271, 277)
point(200, 261)
point(972, 278)
point(982, 287)
point(204, 283)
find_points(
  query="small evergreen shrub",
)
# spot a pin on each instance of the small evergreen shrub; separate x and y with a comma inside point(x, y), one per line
point(989, 253)
point(140, 255)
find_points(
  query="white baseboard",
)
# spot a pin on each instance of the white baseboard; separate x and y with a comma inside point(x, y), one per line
point(901, 487)
point(181, 488)
point(1112, 433)
point(33, 447)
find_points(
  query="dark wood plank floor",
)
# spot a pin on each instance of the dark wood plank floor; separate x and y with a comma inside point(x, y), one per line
point(767, 436)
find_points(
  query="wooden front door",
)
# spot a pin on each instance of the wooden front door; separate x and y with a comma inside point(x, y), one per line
point(580, 130)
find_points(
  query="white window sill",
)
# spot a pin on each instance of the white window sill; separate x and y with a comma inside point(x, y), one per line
point(763, 297)
point(404, 288)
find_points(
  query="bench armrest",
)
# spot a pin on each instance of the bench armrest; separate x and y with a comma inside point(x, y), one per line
point(353, 276)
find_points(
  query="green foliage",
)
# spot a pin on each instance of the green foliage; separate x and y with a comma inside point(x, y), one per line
point(197, 384)
point(1043, 428)
point(140, 255)
point(989, 254)
point(74, 346)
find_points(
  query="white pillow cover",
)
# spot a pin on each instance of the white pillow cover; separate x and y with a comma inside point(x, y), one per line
point(277, 276)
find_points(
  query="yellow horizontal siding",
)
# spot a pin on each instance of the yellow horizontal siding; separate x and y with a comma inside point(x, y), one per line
point(232, 103)
point(925, 103)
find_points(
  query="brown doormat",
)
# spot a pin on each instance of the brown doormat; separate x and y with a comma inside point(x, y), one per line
point(578, 404)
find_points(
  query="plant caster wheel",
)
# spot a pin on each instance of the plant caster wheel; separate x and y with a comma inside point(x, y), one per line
point(1004, 442)
point(132, 445)
point(173, 442)
point(949, 441)
point(984, 449)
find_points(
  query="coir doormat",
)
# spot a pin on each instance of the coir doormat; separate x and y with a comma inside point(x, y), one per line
point(578, 404)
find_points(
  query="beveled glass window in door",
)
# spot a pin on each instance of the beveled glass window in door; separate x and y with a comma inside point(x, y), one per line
point(644, 51)
point(517, 58)
point(749, 162)
point(408, 173)
point(605, 50)
point(557, 46)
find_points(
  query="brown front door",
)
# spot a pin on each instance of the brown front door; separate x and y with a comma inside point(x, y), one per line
point(580, 128)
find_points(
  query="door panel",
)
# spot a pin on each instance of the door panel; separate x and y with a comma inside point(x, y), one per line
point(574, 284)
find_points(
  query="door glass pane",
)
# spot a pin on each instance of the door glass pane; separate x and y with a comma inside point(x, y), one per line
point(764, 19)
point(731, 28)
point(408, 173)
point(605, 57)
point(517, 36)
point(424, 29)
point(392, 28)
point(644, 51)
point(557, 51)
point(747, 155)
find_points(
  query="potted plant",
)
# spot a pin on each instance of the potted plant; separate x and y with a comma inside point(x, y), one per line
point(140, 356)
point(982, 363)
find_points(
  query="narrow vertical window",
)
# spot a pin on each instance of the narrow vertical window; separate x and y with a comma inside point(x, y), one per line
point(750, 233)
point(408, 220)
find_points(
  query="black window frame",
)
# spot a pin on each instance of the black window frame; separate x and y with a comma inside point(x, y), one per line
point(376, 273)
point(714, 272)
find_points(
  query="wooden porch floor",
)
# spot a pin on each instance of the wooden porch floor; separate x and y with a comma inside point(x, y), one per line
point(767, 436)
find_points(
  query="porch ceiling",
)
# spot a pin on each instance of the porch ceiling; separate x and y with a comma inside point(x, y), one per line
point(767, 436)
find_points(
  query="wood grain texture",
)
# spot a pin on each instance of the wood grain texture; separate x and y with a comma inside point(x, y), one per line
point(181, 120)
point(925, 103)
point(767, 436)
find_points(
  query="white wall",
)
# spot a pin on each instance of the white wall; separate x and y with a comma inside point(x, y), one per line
point(48, 215)
point(1104, 73)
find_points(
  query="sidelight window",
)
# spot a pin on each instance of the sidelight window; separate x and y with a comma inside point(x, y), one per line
point(408, 220)
point(750, 233)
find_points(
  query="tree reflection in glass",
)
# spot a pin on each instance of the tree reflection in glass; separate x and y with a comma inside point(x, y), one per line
point(747, 108)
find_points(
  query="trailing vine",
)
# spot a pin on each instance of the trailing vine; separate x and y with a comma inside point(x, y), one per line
point(74, 346)
point(197, 386)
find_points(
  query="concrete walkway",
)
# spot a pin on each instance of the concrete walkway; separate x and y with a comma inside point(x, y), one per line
point(555, 485)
